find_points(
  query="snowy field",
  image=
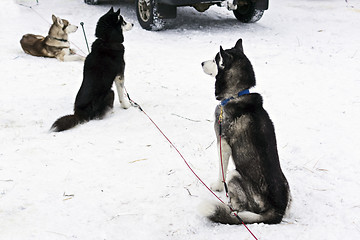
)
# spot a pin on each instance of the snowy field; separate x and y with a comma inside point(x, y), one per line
point(118, 178)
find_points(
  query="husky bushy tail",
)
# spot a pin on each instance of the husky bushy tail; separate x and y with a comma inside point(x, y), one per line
point(85, 110)
point(220, 213)
point(66, 122)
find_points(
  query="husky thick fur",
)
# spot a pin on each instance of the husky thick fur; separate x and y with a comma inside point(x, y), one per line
point(102, 66)
point(258, 189)
point(55, 45)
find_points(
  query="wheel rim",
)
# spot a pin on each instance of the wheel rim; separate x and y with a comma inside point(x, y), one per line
point(144, 10)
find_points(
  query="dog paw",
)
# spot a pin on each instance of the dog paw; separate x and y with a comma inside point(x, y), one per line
point(125, 104)
point(217, 186)
point(72, 51)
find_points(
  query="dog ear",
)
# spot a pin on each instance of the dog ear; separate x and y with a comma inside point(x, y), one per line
point(53, 18)
point(111, 10)
point(118, 12)
point(224, 57)
point(239, 45)
point(221, 60)
point(59, 22)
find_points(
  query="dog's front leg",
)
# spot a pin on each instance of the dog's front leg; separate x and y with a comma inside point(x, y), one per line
point(119, 83)
point(224, 151)
point(66, 56)
point(73, 57)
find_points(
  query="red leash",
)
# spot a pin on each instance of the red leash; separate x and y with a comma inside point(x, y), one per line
point(134, 104)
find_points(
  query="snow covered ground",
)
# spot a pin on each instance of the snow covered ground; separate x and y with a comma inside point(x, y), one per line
point(118, 178)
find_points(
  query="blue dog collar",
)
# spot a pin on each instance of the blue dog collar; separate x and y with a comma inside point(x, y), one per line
point(225, 101)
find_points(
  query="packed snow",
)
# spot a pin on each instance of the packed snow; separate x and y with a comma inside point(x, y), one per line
point(119, 178)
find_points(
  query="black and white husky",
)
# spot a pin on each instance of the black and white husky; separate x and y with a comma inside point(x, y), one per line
point(104, 65)
point(258, 189)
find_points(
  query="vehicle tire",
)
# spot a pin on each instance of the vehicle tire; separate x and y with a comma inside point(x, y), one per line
point(148, 15)
point(247, 13)
point(91, 2)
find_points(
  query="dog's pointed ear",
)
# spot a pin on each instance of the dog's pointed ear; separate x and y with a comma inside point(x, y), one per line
point(221, 60)
point(224, 57)
point(239, 45)
point(221, 50)
point(53, 18)
point(59, 22)
point(111, 10)
point(118, 12)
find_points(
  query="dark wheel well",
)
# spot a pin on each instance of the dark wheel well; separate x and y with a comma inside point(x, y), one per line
point(247, 13)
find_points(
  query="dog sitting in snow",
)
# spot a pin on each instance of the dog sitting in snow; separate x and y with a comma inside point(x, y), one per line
point(55, 44)
point(258, 189)
point(104, 65)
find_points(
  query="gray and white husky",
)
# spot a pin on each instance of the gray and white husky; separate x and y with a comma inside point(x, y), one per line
point(258, 189)
point(55, 44)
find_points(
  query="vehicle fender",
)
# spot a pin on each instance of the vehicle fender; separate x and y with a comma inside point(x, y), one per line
point(166, 11)
point(262, 4)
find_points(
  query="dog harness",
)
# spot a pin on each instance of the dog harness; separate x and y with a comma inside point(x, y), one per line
point(225, 101)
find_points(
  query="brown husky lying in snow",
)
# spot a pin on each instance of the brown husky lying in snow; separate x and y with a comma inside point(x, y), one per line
point(55, 45)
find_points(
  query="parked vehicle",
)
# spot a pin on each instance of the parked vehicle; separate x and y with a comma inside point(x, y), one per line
point(151, 13)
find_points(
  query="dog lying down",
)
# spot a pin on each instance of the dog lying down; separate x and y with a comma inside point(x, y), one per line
point(55, 44)
point(258, 189)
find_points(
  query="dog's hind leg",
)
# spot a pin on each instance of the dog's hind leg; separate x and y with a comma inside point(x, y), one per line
point(119, 83)
point(224, 156)
point(102, 105)
point(109, 99)
point(246, 202)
